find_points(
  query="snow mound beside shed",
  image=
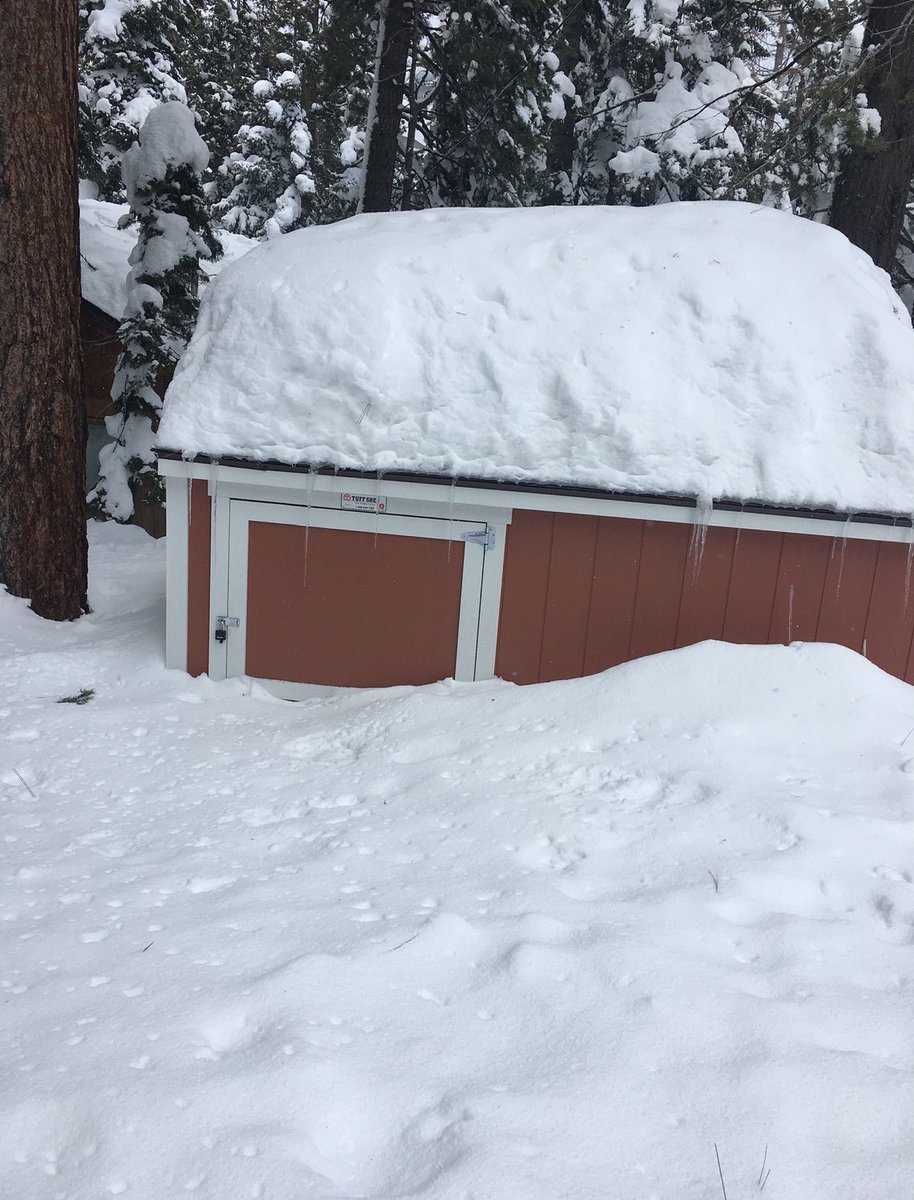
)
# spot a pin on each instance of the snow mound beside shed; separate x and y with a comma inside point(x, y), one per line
point(715, 349)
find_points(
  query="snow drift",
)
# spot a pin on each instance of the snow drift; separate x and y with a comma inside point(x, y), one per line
point(472, 940)
point(717, 350)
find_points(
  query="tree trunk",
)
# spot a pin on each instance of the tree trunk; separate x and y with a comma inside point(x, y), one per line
point(42, 414)
point(872, 186)
point(395, 35)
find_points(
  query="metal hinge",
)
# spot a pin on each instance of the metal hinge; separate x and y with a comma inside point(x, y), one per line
point(222, 627)
point(484, 538)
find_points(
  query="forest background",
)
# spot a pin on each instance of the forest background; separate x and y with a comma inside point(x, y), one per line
point(497, 102)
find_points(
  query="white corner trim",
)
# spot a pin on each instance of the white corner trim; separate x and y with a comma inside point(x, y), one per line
point(490, 603)
point(177, 516)
point(220, 567)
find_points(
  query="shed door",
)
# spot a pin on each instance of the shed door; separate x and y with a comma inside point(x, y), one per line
point(345, 599)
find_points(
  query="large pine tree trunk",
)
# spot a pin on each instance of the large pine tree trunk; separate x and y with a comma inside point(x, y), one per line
point(42, 416)
point(395, 35)
point(872, 186)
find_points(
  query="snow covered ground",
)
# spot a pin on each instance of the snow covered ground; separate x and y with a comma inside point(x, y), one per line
point(463, 942)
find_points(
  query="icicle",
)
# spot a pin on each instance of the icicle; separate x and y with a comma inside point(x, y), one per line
point(704, 506)
point(909, 563)
point(843, 541)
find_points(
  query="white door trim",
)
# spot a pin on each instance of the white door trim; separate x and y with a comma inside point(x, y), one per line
point(480, 582)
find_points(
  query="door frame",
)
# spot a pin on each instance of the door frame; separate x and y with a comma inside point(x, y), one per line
point(480, 590)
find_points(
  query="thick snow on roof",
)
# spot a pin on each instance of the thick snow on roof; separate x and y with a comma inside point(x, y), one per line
point(105, 249)
point(718, 350)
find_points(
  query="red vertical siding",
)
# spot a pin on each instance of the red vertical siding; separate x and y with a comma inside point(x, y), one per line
point(705, 587)
point(198, 558)
point(568, 596)
point(581, 594)
point(612, 594)
point(660, 577)
point(528, 555)
point(753, 579)
point(801, 581)
point(887, 636)
point(847, 592)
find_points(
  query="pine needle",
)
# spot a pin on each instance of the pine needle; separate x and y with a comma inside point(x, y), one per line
point(761, 1174)
point(22, 780)
point(723, 1186)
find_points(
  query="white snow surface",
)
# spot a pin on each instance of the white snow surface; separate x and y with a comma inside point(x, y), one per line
point(462, 941)
point(105, 250)
point(713, 349)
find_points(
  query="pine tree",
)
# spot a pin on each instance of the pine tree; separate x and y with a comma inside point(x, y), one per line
point(657, 117)
point(806, 105)
point(577, 24)
point(483, 134)
point(217, 66)
point(129, 52)
point(337, 86)
point(703, 99)
point(300, 103)
point(268, 179)
point(162, 177)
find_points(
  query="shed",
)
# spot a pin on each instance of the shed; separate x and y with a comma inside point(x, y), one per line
point(537, 443)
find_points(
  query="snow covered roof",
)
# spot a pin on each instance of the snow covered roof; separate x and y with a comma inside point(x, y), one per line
point(105, 249)
point(717, 350)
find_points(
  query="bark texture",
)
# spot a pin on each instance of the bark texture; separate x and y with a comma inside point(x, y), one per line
point(42, 417)
point(396, 28)
point(872, 187)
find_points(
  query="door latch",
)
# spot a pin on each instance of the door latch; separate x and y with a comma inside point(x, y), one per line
point(481, 537)
point(222, 627)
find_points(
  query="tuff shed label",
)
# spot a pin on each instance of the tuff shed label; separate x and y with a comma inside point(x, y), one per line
point(356, 503)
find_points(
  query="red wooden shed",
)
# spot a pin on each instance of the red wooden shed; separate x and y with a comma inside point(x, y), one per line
point(445, 501)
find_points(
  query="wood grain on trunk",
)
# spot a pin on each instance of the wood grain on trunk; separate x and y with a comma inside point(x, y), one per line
point(42, 418)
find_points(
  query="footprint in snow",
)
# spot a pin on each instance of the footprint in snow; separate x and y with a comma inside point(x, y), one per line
point(545, 853)
point(210, 883)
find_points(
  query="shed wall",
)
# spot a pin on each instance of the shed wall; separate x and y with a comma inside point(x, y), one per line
point(581, 594)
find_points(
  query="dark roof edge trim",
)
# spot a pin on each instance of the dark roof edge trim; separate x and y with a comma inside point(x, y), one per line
point(542, 489)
